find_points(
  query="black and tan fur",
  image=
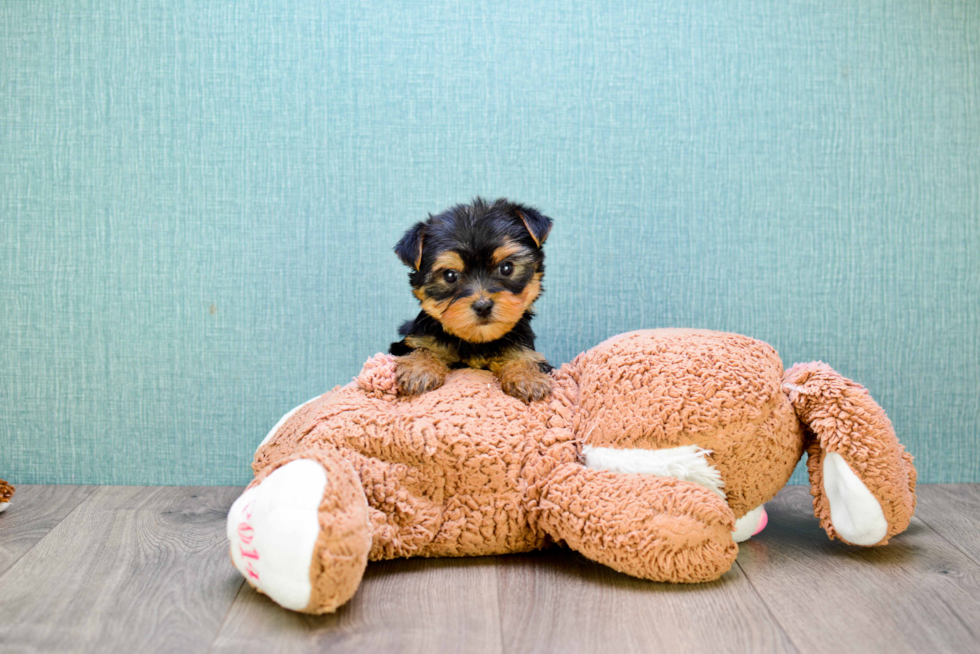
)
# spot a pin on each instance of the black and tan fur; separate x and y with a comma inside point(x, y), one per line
point(476, 272)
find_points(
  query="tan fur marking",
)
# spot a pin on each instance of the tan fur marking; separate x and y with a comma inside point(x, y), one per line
point(520, 376)
point(420, 371)
point(459, 319)
point(477, 362)
point(509, 248)
point(431, 307)
point(418, 257)
point(445, 353)
point(448, 261)
point(512, 307)
point(536, 241)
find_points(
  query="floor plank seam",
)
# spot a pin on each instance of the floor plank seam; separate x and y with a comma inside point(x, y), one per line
point(13, 563)
point(224, 619)
point(772, 615)
point(959, 617)
point(500, 613)
point(952, 544)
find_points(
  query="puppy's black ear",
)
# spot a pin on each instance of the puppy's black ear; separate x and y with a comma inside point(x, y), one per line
point(409, 248)
point(538, 224)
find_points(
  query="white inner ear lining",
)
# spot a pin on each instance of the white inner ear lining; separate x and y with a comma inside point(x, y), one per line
point(855, 513)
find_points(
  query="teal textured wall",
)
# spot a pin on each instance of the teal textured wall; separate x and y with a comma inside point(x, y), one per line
point(198, 201)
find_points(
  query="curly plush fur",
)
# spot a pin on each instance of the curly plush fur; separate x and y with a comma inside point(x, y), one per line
point(696, 430)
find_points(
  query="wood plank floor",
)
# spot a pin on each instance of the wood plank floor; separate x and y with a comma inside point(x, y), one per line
point(121, 569)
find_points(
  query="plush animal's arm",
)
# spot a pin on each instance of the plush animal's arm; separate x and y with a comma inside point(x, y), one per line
point(656, 528)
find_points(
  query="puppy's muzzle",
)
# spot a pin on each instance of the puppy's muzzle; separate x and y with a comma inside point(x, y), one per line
point(483, 307)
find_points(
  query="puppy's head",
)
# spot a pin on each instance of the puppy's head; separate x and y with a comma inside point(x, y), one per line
point(477, 268)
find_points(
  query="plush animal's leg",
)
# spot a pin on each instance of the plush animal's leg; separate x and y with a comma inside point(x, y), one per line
point(750, 524)
point(656, 528)
point(300, 532)
point(861, 478)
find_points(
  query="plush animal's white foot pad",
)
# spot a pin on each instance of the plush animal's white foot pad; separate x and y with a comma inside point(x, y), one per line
point(855, 513)
point(273, 529)
point(750, 524)
point(3, 506)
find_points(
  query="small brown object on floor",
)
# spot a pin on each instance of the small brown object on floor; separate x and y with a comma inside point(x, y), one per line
point(6, 491)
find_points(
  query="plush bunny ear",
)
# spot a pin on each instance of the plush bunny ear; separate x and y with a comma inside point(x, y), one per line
point(409, 248)
point(538, 224)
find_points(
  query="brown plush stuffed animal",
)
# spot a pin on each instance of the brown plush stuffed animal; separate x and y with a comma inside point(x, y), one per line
point(653, 455)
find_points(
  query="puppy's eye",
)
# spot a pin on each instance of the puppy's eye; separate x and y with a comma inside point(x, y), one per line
point(506, 268)
point(450, 276)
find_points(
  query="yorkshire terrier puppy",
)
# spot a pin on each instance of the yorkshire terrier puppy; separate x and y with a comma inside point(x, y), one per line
point(476, 271)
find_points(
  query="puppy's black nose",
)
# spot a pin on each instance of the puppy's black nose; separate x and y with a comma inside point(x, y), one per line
point(483, 307)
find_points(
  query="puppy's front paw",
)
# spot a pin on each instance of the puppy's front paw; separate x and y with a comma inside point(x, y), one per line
point(419, 372)
point(413, 380)
point(525, 382)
